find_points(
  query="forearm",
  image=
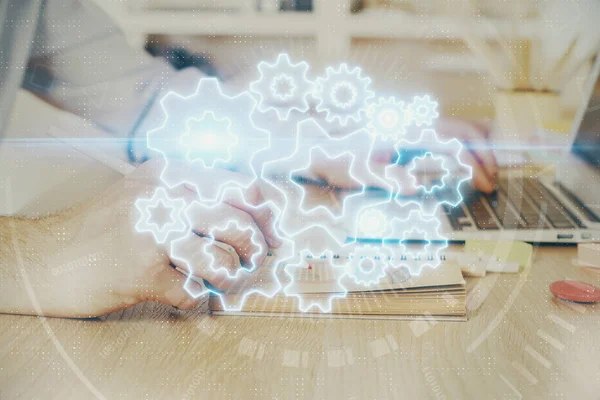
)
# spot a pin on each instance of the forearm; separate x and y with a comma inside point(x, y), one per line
point(20, 260)
point(36, 259)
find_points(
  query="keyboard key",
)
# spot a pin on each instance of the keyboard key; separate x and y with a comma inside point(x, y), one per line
point(554, 211)
point(457, 217)
point(581, 207)
point(482, 217)
point(499, 204)
point(531, 215)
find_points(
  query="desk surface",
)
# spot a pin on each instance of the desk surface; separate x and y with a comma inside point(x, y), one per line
point(519, 342)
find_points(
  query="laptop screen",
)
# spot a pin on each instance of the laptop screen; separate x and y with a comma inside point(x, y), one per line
point(587, 141)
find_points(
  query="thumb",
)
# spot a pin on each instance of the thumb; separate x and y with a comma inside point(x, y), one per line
point(169, 287)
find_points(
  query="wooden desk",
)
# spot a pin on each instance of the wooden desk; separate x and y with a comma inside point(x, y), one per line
point(519, 342)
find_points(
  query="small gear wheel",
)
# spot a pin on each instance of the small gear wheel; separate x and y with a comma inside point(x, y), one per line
point(149, 208)
point(283, 86)
point(388, 118)
point(423, 253)
point(367, 265)
point(423, 110)
point(343, 94)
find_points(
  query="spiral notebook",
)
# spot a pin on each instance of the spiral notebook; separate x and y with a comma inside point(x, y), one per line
point(434, 294)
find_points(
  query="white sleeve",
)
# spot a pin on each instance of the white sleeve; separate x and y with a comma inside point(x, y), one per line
point(91, 71)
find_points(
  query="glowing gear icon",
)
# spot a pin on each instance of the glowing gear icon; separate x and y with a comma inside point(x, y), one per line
point(283, 86)
point(446, 192)
point(343, 94)
point(172, 215)
point(208, 140)
point(388, 118)
point(423, 110)
point(372, 223)
point(428, 172)
point(332, 207)
point(415, 256)
point(208, 101)
point(367, 265)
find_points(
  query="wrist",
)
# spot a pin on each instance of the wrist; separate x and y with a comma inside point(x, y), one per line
point(23, 248)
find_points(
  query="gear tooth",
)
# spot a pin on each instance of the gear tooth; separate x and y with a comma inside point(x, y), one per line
point(209, 86)
point(262, 68)
point(285, 57)
point(172, 101)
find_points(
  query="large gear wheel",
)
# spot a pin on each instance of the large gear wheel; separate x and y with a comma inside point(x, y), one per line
point(311, 140)
point(367, 265)
point(388, 118)
point(147, 222)
point(343, 94)
point(423, 110)
point(456, 172)
point(208, 98)
point(283, 86)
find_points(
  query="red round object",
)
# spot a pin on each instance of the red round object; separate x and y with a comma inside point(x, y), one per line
point(579, 292)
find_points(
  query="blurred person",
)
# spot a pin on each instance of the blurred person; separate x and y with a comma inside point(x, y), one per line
point(70, 54)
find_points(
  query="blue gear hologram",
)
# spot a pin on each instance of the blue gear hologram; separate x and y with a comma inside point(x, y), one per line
point(372, 223)
point(423, 110)
point(446, 193)
point(208, 98)
point(176, 223)
point(343, 94)
point(388, 118)
point(371, 274)
point(279, 173)
point(210, 130)
point(283, 86)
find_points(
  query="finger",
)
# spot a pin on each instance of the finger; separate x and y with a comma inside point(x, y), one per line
point(335, 172)
point(484, 155)
point(474, 135)
point(248, 242)
point(481, 180)
point(204, 261)
point(263, 215)
point(168, 287)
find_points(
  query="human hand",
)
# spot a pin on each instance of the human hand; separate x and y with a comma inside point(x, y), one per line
point(112, 266)
point(476, 154)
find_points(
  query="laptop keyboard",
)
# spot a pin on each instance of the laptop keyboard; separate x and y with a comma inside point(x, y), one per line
point(520, 204)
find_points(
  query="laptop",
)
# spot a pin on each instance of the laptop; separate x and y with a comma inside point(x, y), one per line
point(560, 207)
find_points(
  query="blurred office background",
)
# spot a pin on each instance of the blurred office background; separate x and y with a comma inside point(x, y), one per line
point(406, 46)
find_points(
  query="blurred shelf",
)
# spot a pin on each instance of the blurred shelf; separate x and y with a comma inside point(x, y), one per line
point(376, 25)
point(221, 24)
point(401, 25)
